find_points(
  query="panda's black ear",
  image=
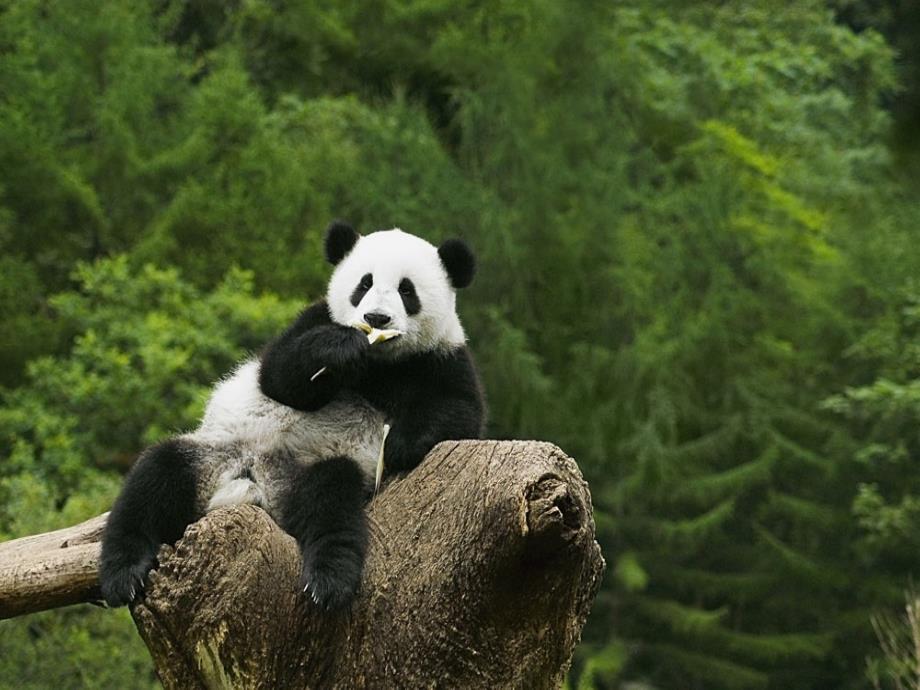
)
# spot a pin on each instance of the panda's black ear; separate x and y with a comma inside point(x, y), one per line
point(340, 238)
point(459, 261)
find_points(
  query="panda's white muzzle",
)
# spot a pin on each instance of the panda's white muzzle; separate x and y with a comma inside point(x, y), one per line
point(382, 309)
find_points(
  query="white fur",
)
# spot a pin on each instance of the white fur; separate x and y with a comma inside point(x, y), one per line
point(390, 256)
point(235, 492)
point(245, 430)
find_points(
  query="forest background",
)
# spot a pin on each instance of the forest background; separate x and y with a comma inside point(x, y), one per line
point(698, 226)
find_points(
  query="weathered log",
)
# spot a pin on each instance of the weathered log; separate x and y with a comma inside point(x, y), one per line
point(50, 570)
point(481, 571)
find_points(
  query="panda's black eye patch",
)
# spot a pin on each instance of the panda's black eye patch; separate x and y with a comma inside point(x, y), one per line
point(409, 296)
point(365, 284)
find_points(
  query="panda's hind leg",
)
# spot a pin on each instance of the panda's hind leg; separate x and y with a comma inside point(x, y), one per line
point(156, 504)
point(323, 508)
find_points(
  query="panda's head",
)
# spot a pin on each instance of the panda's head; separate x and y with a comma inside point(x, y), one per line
point(393, 280)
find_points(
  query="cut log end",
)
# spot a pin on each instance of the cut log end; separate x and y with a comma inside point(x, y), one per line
point(555, 517)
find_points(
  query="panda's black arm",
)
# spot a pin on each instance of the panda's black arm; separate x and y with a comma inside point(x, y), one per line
point(412, 437)
point(445, 402)
point(289, 364)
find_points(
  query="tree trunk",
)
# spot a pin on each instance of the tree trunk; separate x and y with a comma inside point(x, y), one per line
point(481, 571)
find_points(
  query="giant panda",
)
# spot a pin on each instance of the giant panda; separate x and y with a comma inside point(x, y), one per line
point(298, 429)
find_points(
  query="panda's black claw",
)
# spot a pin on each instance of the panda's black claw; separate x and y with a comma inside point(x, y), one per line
point(122, 583)
point(329, 591)
point(331, 597)
point(122, 586)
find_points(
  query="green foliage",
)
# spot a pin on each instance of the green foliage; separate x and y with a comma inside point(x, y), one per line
point(899, 639)
point(884, 414)
point(102, 651)
point(146, 347)
point(82, 647)
point(696, 276)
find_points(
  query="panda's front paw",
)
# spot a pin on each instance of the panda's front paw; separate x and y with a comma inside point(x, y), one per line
point(349, 347)
point(121, 584)
point(331, 588)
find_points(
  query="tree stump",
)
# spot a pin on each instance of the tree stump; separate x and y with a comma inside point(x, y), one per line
point(480, 574)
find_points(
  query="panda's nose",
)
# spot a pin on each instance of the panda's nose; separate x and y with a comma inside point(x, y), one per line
point(376, 319)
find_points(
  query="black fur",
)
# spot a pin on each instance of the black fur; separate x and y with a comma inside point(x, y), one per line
point(323, 510)
point(411, 303)
point(340, 238)
point(426, 397)
point(155, 506)
point(459, 261)
point(365, 284)
point(311, 343)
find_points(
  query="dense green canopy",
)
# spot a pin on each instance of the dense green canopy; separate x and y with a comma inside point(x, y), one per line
point(697, 229)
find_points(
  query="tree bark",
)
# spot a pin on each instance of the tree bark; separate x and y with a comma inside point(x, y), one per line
point(481, 571)
point(50, 570)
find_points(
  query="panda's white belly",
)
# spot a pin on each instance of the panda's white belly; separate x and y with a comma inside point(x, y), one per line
point(250, 440)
